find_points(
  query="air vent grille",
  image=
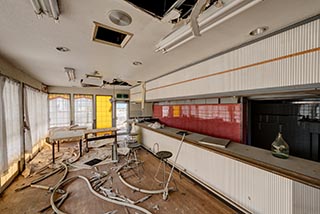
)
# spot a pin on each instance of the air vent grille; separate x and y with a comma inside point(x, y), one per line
point(110, 36)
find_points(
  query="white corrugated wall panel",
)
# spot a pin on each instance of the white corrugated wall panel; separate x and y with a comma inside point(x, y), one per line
point(135, 94)
point(291, 71)
point(257, 190)
point(306, 199)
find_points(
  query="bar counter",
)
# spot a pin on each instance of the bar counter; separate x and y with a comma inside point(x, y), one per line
point(297, 169)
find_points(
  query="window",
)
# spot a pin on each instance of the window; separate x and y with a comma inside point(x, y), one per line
point(10, 129)
point(59, 110)
point(83, 110)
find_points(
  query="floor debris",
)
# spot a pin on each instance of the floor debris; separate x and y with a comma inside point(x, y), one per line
point(156, 207)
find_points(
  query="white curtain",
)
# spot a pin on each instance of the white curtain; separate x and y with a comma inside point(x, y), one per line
point(3, 134)
point(36, 117)
point(12, 140)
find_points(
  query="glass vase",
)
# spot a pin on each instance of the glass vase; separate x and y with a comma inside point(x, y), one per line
point(280, 148)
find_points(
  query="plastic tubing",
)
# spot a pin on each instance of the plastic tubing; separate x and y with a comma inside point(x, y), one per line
point(93, 192)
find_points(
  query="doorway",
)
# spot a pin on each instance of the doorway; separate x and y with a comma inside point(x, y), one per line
point(103, 112)
point(122, 116)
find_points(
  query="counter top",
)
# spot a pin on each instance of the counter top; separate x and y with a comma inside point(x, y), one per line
point(297, 169)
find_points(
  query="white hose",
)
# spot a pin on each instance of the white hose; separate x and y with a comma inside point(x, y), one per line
point(138, 189)
point(165, 193)
point(165, 190)
point(96, 194)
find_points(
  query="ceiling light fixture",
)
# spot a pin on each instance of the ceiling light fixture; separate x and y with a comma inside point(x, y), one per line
point(119, 17)
point(71, 73)
point(136, 63)
point(47, 7)
point(62, 49)
point(258, 31)
point(93, 80)
point(210, 18)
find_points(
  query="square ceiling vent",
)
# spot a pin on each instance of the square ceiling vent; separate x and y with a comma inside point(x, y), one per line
point(110, 36)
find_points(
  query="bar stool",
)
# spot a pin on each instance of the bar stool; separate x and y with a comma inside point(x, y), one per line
point(163, 156)
point(132, 138)
point(132, 160)
point(132, 155)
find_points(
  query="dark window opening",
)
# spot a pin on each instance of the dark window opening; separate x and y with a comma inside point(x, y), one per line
point(298, 121)
point(110, 35)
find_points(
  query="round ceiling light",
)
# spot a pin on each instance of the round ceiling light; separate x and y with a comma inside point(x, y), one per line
point(258, 31)
point(120, 17)
point(62, 49)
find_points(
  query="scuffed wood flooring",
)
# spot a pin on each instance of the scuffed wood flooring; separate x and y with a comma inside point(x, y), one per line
point(189, 198)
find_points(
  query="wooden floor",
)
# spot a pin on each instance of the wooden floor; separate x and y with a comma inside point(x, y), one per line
point(188, 198)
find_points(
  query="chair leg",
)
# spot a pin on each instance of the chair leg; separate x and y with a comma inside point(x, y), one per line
point(156, 175)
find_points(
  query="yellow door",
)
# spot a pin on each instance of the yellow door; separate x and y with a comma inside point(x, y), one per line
point(103, 112)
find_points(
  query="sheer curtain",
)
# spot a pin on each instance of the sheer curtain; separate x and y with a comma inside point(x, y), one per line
point(36, 118)
point(11, 140)
point(3, 135)
point(59, 106)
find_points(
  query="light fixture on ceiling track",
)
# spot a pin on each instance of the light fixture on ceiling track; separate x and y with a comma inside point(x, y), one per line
point(71, 73)
point(47, 7)
point(210, 18)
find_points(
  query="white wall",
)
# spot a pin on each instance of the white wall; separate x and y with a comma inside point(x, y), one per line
point(79, 90)
point(10, 70)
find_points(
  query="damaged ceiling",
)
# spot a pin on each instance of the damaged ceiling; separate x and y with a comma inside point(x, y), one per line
point(30, 42)
point(160, 8)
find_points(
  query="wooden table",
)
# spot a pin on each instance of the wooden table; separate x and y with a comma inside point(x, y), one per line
point(113, 134)
point(65, 135)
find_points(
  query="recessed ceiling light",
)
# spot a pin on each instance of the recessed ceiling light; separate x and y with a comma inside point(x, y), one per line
point(63, 49)
point(258, 31)
point(120, 17)
point(137, 63)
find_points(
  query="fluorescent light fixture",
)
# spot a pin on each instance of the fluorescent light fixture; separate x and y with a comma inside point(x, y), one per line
point(71, 73)
point(47, 7)
point(210, 18)
point(92, 82)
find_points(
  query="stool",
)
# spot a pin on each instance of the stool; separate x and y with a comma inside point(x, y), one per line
point(132, 160)
point(163, 156)
point(132, 138)
point(132, 155)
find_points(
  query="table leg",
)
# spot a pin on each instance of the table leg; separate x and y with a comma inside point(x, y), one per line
point(53, 152)
point(80, 147)
point(58, 145)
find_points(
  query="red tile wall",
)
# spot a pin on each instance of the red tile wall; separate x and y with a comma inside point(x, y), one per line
point(217, 120)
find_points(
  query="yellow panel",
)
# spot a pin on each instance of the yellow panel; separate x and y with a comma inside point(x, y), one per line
point(176, 111)
point(103, 112)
